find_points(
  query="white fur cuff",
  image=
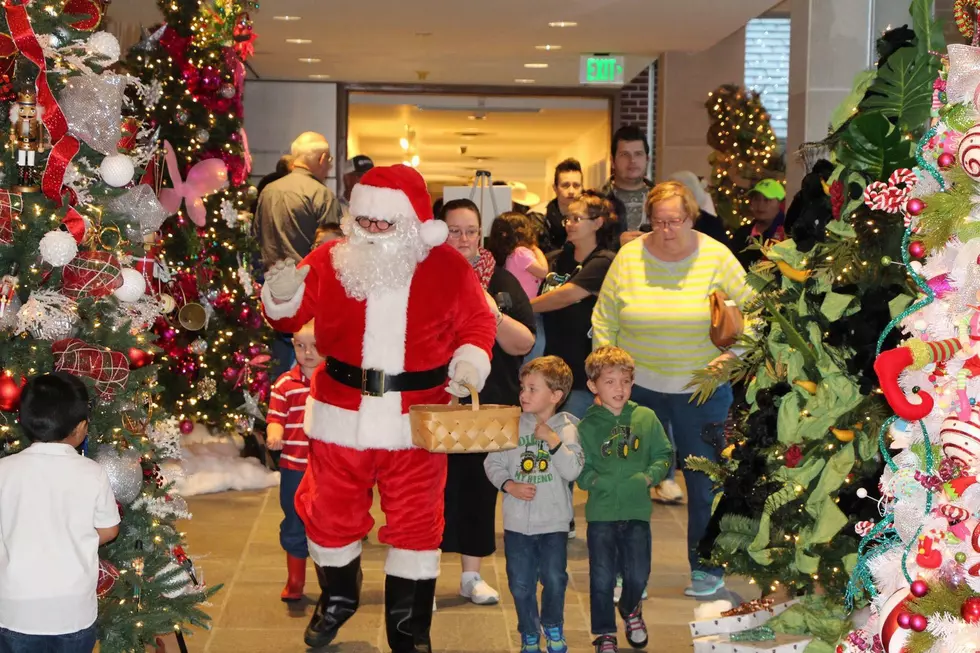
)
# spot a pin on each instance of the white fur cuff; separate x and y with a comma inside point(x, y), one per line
point(476, 357)
point(334, 557)
point(413, 565)
point(279, 311)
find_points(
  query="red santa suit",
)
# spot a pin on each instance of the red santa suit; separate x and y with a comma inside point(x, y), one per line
point(360, 436)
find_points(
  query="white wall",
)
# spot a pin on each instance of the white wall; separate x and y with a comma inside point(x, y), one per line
point(277, 112)
point(684, 81)
point(591, 149)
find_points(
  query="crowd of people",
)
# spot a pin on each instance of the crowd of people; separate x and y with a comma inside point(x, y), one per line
point(582, 343)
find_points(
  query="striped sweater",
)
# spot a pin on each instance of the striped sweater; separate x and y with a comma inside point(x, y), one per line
point(287, 407)
point(658, 311)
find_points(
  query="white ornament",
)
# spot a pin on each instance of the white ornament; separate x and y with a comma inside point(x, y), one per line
point(133, 286)
point(167, 304)
point(105, 46)
point(920, 325)
point(117, 170)
point(961, 439)
point(229, 213)
point(968, 153)
point(58, 248)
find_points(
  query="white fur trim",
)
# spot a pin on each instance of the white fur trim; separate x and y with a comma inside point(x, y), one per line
point(434, 232)
point(413, 565)
point(381, 204)
point(372, 427)
point(279, 311)
point(385, 327)
point(476, 357)
point(333, 557)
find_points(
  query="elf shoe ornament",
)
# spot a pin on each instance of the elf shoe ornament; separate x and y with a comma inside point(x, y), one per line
point(913, 354)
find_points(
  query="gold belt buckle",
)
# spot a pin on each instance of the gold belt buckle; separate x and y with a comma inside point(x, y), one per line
point(364, 384)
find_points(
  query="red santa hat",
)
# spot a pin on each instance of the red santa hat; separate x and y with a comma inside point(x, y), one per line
point(395, 194)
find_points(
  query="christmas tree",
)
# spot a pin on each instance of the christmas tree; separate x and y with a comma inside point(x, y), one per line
point(805, 437)
point(745, 150)
point(214, 358)
point(919, 559)
point(73, 297)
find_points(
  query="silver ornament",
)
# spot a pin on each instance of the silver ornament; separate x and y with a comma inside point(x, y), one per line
point(211, 295)
point(206, 388)
point(8, 318)
point(141, 203)
point(199, 346)
point(183, 116)
point(202, 135)
point(58, 326)
point(124, 472)
point(227, 91)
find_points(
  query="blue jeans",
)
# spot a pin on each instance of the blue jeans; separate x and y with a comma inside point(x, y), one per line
point(82, 641)
point(531, 558)
point(292, 533)
point(283, 353)
point(538, 349)
point(695, 431)
point(613, 544)
point(578, 402)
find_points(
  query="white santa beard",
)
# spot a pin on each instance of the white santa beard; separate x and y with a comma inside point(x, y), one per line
point(369, 262)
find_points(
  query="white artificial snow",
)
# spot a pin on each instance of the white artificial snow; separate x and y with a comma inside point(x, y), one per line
point(213, 463)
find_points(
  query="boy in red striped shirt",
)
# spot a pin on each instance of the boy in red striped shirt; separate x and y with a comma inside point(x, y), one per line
point(287, 406)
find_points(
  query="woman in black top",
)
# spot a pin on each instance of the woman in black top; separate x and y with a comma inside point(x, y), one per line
point(570, 290)
point(471, 501)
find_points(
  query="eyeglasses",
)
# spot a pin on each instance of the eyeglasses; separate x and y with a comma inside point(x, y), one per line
point(663, 224)
point(575, 219)
point(457, 233)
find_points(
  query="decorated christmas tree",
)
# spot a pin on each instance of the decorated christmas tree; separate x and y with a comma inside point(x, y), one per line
point(214, 360)
point(73, 297)
point(745, 150)
point(919, 559)
point(806, 434)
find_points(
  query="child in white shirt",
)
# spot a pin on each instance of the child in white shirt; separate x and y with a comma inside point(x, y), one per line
point(56, 508)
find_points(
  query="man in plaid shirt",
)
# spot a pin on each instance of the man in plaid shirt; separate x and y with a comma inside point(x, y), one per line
point(287, 407)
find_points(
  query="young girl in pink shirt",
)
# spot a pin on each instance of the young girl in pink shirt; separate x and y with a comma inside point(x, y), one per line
point(514, 246)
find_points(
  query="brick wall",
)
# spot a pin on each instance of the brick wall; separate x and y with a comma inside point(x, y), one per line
point(634, 107)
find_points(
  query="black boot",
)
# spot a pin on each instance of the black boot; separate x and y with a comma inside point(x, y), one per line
point(408, 614)
point(340, 593)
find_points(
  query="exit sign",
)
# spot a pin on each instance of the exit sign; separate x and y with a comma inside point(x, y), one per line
point(602, 69)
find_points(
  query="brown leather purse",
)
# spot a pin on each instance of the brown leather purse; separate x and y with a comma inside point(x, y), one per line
point(726, 320)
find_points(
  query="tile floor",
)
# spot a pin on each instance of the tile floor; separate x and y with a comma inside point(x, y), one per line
point(233, 537)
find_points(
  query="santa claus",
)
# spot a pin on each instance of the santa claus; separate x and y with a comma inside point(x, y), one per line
point(398, 316)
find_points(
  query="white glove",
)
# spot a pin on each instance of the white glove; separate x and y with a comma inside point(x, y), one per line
point(464, 374)
point(284, 279)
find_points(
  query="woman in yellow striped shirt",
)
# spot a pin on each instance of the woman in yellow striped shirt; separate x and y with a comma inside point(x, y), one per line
point(654, 304)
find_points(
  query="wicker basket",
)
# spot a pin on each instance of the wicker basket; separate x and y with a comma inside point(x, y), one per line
point(452, 428)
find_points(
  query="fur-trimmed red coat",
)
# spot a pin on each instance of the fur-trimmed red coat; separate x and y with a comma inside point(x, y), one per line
point(442, 317)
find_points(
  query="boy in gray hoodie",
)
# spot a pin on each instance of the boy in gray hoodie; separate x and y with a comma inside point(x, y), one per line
point(537, 509)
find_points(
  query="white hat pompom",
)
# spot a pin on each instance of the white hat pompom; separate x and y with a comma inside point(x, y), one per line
point(434, 232)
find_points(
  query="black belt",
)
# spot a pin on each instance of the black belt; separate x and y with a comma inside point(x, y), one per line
point(374, 383)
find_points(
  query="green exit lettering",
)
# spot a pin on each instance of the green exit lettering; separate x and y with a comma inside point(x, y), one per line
point(603, 70)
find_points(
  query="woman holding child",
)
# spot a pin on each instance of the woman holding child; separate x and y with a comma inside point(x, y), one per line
point(655, 305)
point(471, 500)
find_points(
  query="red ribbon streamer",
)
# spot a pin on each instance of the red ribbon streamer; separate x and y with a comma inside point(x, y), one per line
point(75, 223)
point(65, 147)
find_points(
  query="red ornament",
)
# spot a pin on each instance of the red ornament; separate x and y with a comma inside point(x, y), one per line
point(10, 392)
point(917, 249)
point(970, 610)
point(138, 358)
point(915, 206)
point(919, 588)
point(186, 426)
point(793, 456)
point(904, 620)
point(107, 578)
point(918, 623)
point(946, 160)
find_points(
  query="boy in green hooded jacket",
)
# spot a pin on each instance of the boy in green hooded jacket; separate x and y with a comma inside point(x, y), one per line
point(626, 453)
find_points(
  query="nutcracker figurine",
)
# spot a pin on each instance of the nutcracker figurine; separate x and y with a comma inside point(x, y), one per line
point(26, 139)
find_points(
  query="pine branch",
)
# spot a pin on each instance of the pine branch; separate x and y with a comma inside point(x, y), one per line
point(715, 471)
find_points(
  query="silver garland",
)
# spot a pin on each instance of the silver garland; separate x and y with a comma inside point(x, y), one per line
point(93, 106)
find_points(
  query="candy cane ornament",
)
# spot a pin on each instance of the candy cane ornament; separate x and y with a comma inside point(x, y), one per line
point(965, 21)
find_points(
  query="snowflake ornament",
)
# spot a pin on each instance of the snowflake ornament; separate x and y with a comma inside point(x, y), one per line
point(229, 214)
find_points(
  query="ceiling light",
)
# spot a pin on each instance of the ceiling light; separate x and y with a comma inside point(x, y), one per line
point(521, 80)
point(319, 76)
point(535, 65)
point(309, 60)
point(416, 160)
point(563, 23)
point(285, 18)
point(407, 163)
point(547, 48)
point(404, 143)
point(299, 41)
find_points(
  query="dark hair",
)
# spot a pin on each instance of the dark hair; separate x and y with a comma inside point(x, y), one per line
point(598, 206)
point(628, 134)
point(52, 405)
point(509, 231)
point(462, 203)
point(568, 165)
point(284, 165)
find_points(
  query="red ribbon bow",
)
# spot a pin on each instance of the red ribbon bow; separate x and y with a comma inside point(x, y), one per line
point(257, 362)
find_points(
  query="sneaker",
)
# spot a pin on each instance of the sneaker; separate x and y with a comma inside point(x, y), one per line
point(433, 604)
point(571, 530)
point(618, 592)
point(479, 592)
point(704, 584)
point(530, 643)
point(669, 492)
point(636, 630)
point(606, 644)
point(554, 639)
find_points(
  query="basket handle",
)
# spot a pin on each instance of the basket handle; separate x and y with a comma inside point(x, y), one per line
point(473, 394)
